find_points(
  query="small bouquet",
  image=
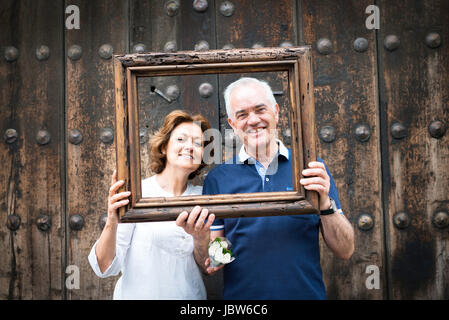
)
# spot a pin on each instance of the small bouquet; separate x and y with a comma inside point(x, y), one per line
point(219, 252)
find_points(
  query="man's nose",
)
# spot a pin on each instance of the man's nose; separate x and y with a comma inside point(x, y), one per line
point(253, 118)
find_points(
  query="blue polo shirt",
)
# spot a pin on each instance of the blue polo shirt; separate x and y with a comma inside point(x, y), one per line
point(277, 257)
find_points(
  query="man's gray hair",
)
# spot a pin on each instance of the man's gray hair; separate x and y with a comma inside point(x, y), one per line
point(246, 81)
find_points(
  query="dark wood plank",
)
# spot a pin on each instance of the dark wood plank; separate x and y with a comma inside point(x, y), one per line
point(414, 91)
point(31, 96)
point(345, 97)
point(90, 109)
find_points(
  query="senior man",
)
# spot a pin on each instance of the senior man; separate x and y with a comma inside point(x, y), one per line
point(277, 257)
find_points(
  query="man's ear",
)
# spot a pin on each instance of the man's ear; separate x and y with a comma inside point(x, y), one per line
point(276, 106)
point(230, 122)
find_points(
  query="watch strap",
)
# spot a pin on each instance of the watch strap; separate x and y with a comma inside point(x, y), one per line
point(331, 210)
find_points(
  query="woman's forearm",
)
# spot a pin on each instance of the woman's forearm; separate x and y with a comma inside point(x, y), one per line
point(105, 249)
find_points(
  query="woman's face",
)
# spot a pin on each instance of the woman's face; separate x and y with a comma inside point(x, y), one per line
point(185, 147)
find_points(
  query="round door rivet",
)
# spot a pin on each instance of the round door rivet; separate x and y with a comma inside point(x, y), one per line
point(42, 53)
point(327, 134)
point(76, 222)
point(75, 52)
point(362, 132)
point(13, 222)
point(200, 5)
point(398, 130)
point(102, 220)
point(401, 220)
point(43, 137)
point(286, 44)
point(227, 8)
point(170, 46)
point(10, 135)
point(172, 8)
point(324, 46)
point(139, 48)
point(228, 46)
point(11, 54)
point(360, 44)
point(440, 219)
point(365, 222)
point(105, 51)
point(391, 42)
point(75, 136)
point(43, 222)
point(206, 90)
point(433, 40)
point(172, 92)
point(107, 135)
point(437, 129)
point(202, 46)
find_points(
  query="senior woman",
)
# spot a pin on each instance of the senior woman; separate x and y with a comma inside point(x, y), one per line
point(156, 259)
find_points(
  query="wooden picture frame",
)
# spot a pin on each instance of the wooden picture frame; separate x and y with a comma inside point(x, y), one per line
point(294, 60)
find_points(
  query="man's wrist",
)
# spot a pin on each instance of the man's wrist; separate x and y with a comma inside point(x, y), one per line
point(332, 208)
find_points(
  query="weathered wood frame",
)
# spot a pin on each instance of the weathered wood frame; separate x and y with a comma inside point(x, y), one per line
point(294, 60)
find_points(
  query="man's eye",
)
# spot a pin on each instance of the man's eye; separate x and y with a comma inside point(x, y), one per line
point(241, 116)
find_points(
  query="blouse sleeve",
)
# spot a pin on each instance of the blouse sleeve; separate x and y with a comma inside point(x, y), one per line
point(123, 241)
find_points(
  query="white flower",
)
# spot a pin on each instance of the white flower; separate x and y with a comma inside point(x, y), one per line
point(219, 251)
point(226, 258)
point(219, 255)
point(213, 248)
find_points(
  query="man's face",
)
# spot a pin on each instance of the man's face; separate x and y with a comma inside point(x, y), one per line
point(254, 120)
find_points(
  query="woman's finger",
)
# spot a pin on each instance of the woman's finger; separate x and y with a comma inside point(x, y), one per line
point(114, 177)
point(113, 189)
point(121, 195)
point(119, 204)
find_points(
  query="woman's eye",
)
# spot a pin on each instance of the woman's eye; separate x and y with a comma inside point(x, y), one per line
point(198, 144)
point(180, 139)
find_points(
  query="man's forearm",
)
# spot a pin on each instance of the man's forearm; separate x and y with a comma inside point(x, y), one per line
point(201, 253)
point(339, 235)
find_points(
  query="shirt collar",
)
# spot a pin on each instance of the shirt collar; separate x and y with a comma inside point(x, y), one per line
point(283, 151)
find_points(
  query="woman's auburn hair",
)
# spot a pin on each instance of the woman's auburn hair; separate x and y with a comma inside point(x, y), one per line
point(159, 140)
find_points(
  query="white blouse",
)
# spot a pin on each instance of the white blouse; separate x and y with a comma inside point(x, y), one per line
point(155, 258)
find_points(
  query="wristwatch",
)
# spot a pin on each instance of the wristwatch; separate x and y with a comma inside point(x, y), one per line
point(331, 210)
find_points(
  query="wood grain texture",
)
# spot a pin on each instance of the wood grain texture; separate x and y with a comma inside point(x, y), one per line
point(415, 91)
point(90, 109)
point(31, 97)
point(346, 96)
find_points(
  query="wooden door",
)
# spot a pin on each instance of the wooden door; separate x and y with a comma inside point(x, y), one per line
point(382, 109)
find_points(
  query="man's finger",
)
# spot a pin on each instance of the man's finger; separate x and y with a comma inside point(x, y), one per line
point(316, 164)
point(200, 222)
point(314, 180)
point(314, 172)
point(193, 215)
point(181, 219)
point(210, 220)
